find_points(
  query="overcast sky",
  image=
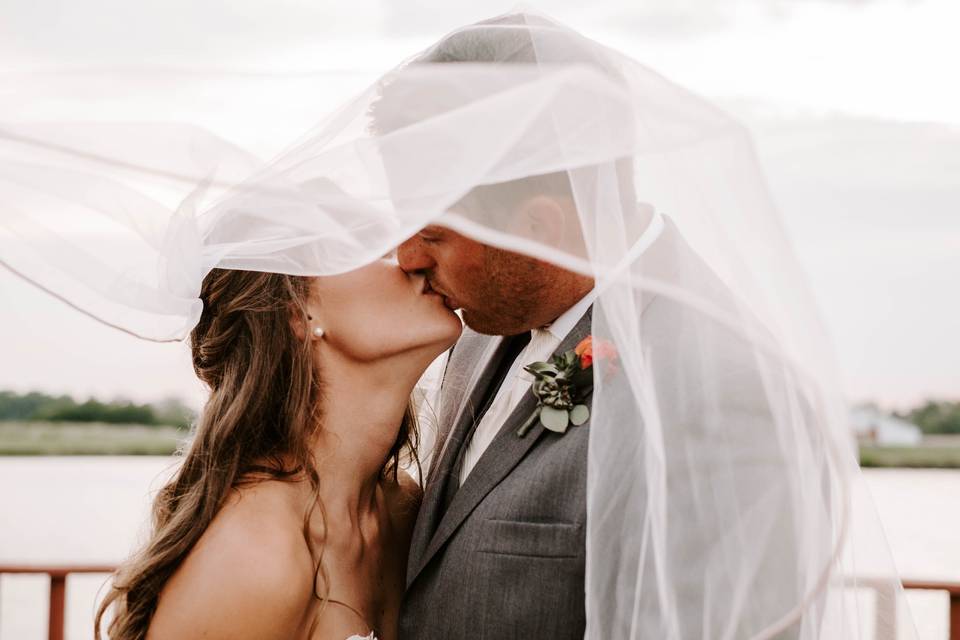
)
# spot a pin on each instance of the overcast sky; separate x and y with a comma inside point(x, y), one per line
point(853, 105)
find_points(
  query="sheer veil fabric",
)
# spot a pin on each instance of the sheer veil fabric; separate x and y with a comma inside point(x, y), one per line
point(724, 496)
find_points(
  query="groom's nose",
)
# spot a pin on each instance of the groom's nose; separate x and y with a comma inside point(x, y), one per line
point(413, 256)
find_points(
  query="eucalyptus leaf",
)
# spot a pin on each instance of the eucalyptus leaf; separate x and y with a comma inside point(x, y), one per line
point(555, 420)
point(539, 367)
point(579, 414)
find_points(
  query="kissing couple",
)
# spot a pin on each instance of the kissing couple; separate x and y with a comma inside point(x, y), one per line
point(632, 434)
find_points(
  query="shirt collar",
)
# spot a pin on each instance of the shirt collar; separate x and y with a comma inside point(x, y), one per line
point(564, 324)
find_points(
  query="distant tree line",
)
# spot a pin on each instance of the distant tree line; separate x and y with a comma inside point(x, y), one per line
point(934, 416)
point(36, 407)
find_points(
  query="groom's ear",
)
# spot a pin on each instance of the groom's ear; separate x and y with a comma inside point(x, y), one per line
point(541, 218)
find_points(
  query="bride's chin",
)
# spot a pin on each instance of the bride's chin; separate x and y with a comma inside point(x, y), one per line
point(450, 337)
point(456, 327)
point(451, 318)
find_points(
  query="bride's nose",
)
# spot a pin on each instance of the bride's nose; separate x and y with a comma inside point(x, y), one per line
point(390, 265)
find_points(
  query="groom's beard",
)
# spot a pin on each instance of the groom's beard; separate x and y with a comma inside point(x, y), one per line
point(504, 293)
point(500, 317)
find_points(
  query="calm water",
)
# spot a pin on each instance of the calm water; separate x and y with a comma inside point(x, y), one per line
point(93, 510)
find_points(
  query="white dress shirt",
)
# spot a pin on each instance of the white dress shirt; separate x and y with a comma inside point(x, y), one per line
point(543, 342)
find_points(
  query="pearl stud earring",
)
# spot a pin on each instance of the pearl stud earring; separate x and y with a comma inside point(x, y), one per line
point(318, 332)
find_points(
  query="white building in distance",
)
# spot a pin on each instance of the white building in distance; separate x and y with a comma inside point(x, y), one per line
point(872, 426)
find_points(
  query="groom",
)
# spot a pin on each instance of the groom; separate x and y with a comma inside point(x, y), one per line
point(499, 546)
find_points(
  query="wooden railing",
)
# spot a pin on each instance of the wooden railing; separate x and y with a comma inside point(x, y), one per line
point(886, 601)
point(58, 588)
point(952, 588)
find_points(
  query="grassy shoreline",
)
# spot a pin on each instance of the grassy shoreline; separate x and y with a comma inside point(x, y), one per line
point(918, 457)
point(20, 438)
point(87, 438)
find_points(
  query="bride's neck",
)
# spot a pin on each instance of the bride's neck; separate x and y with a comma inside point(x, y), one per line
point(361, 411)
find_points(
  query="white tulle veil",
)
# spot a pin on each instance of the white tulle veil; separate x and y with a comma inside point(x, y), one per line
point(724, 497)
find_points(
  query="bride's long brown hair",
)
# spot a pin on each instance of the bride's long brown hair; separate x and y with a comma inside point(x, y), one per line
point(263, 406)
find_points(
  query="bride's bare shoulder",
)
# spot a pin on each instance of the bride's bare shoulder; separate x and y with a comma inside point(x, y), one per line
point(250, 575)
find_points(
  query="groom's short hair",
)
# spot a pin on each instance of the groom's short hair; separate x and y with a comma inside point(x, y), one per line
point(505, 42)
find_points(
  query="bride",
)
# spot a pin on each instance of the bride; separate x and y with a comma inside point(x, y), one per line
point(290, 515)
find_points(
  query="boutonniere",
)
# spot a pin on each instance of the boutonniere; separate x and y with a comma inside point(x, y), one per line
point(562, 386)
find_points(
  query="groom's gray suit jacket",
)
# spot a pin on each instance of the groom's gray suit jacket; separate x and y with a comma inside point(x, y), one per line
point(505, 559)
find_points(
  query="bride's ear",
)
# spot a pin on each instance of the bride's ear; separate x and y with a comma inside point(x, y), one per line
point(299, 321)
point(303, 315)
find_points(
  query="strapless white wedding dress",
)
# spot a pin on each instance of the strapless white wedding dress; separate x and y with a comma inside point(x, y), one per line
point(369, 637)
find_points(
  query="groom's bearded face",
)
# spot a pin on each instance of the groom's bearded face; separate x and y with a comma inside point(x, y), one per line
point(499, 291)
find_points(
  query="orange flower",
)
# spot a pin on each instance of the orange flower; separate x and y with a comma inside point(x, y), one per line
point(584, 351)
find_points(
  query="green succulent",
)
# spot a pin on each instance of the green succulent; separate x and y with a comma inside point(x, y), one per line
point(560, 386)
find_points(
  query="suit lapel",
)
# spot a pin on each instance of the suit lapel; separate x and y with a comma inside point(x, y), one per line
point(503, 454)
point(482, 358)
point(488, 356)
